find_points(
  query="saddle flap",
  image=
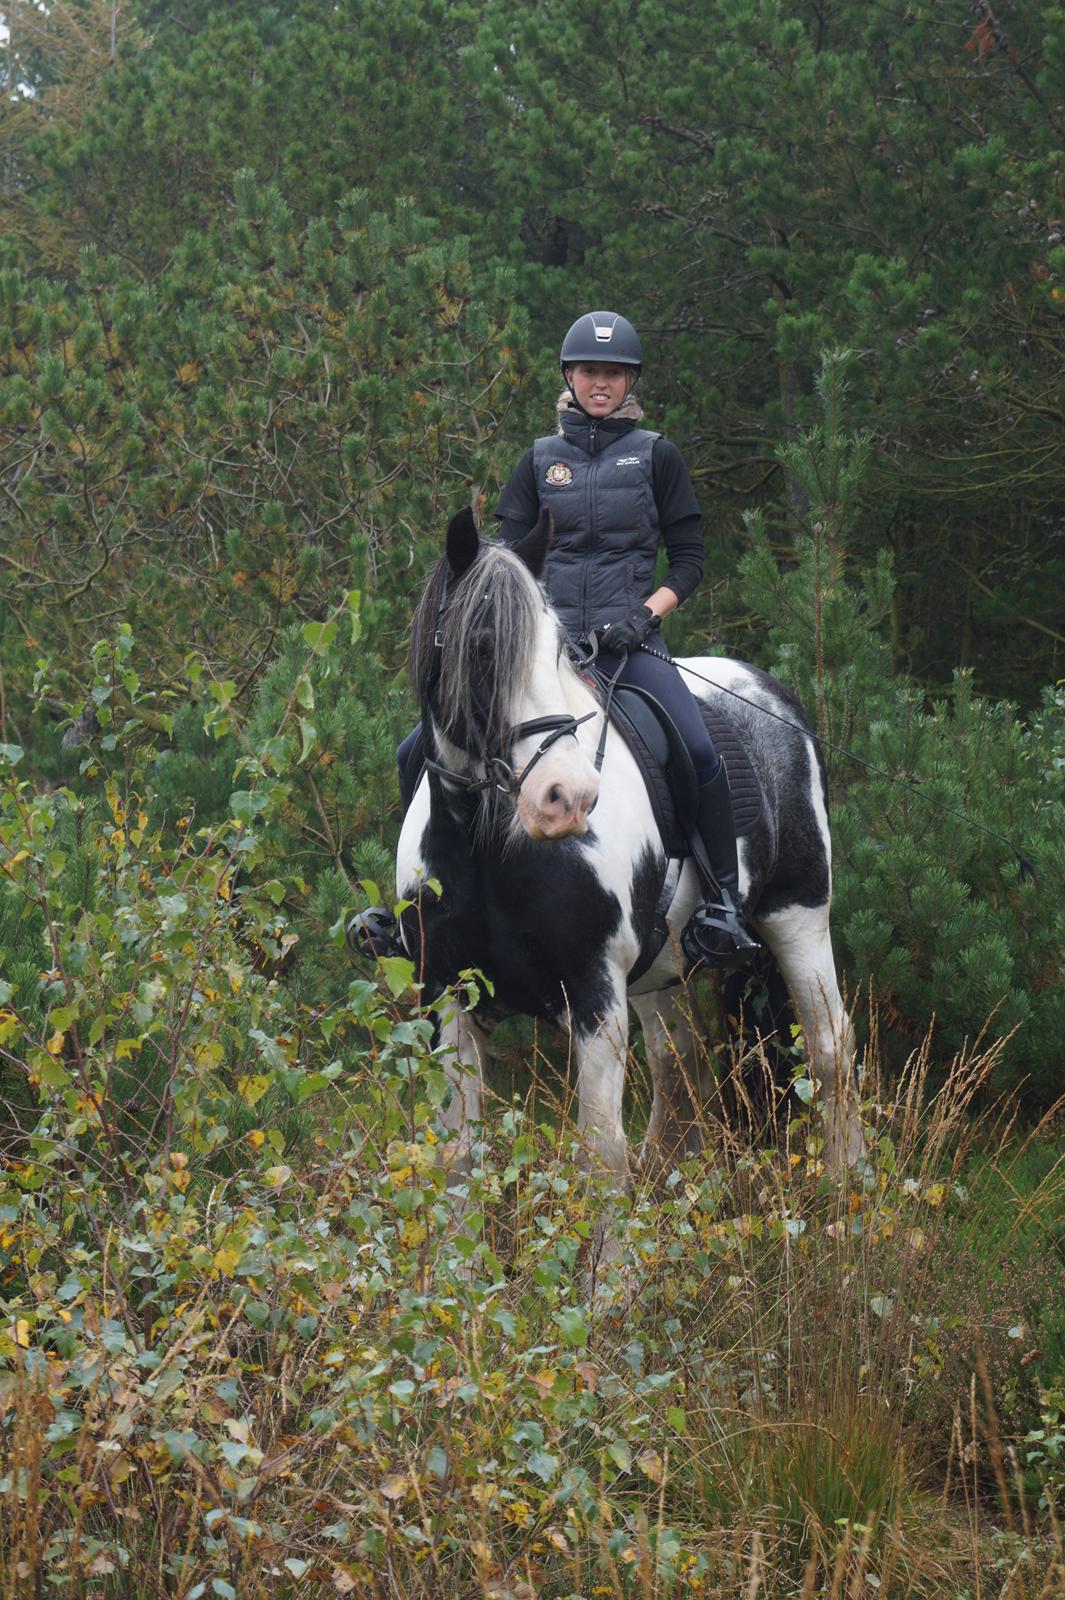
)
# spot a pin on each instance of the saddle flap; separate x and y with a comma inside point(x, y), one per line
point(650, 720)
point(666, 764)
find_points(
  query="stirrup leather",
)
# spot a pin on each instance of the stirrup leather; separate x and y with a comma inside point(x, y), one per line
point(375, 933)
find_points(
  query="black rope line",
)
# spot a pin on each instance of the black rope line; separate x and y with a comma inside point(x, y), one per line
point(1025, 865)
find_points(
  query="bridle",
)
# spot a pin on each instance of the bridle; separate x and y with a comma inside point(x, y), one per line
point(499, 774)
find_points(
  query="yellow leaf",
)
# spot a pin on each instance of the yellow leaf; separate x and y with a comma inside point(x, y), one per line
point(256, 1138)
point(188, 372)
point(651, 1465)
point(252, 1089)
point(9, 1025)
point(125, 1049)
point(21, 1331)
point(396, 1486)
point(226, 1260)
point(55, 1043)
point(277, 1177)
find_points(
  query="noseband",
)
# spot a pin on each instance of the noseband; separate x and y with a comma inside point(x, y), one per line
point(500, 774)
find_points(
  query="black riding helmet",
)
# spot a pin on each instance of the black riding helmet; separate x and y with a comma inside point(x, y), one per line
point(602, 336)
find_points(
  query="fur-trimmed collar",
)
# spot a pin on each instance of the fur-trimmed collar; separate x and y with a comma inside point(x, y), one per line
point(630, 409)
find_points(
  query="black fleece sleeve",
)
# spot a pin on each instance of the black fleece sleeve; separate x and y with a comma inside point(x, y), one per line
point(519, 504)
point(679, 518)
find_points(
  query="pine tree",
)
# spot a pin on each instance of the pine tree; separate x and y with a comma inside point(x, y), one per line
point(932, 913)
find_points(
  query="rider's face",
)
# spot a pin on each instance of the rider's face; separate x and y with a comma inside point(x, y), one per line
point(599, 386)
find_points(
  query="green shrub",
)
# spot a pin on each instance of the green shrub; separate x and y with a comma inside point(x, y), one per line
point(931, 797)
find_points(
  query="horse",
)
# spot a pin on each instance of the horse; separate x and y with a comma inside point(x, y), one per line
point(549, 870)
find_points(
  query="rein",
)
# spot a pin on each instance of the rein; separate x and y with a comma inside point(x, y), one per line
point(1025, 867)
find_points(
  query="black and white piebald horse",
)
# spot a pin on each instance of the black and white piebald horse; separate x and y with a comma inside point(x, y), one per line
point(551, 871)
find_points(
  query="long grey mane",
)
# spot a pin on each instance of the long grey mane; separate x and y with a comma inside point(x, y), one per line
point(487, 621)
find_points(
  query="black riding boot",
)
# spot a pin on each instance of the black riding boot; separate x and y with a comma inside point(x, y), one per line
point(716, 931)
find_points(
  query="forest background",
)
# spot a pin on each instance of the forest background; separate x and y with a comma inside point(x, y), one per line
point(281, 287)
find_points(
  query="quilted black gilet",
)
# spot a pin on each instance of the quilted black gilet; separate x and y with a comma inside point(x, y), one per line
point(597, 483)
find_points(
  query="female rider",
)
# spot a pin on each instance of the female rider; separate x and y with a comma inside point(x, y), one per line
point(616, 491)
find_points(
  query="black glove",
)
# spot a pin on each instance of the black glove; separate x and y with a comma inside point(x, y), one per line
point(630, 632)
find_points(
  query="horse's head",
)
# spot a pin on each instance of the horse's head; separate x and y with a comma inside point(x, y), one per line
point(488, 661)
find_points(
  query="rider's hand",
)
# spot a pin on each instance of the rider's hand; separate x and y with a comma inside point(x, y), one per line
point(630, 632)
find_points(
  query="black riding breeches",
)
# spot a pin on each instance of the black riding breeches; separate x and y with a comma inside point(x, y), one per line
point(662, 678)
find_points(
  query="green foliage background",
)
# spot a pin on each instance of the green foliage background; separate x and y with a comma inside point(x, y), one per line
point(280, 288)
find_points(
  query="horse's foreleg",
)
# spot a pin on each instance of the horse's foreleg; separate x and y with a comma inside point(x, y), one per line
point(602, 1051)
point(800, 941)
point(464, 1045)
point(680, 1084)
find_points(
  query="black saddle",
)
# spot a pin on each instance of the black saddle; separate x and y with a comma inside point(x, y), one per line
point(667, 770)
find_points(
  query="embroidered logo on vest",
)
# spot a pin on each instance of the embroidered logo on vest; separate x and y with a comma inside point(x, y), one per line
point(627, 461)
point(558, 474)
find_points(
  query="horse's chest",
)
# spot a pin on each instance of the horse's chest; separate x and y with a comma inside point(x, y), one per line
point(536, 921)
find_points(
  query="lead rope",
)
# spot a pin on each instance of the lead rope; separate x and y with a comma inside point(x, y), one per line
point(1025, 866)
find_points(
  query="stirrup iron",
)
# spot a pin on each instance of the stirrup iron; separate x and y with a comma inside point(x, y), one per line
point(716, 934)
point(374, 933)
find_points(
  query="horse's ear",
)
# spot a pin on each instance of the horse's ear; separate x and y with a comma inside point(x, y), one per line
point(533, 548)
point(463, 541)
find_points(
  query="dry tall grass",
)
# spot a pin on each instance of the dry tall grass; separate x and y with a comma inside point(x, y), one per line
point(303, 1381)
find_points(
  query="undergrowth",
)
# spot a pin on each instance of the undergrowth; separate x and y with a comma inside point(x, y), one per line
point(259, 1335)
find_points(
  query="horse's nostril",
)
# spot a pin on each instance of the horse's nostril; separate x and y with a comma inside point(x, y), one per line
point(555, 796)
point(593, 805)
